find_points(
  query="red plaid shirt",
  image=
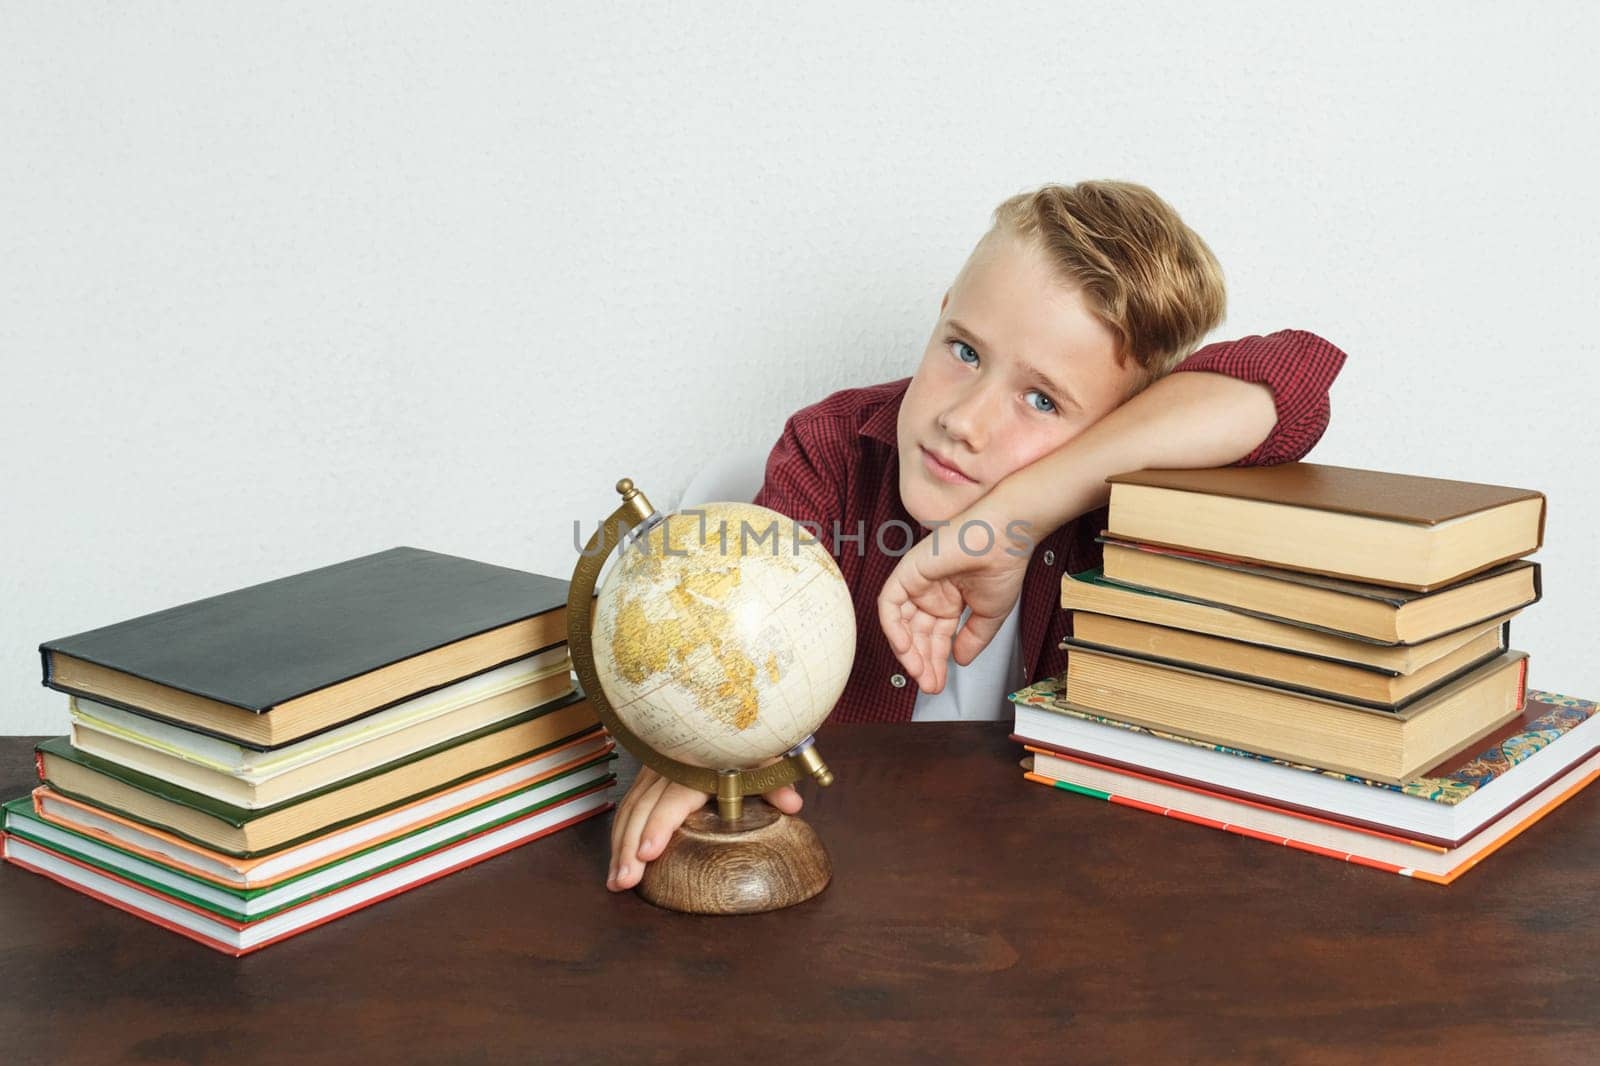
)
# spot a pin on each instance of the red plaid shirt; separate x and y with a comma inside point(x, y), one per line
point(838, 461)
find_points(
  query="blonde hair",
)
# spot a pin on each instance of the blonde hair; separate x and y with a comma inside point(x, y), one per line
point(1143, 272)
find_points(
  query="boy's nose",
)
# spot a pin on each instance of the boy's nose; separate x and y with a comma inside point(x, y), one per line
point(967, 420)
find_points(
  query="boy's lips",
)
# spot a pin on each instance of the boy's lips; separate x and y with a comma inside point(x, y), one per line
point(943, 469)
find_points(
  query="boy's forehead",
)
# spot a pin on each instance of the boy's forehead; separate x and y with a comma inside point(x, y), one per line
point(1010, 296)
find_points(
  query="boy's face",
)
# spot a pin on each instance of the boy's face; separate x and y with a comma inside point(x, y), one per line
point(1016, 367)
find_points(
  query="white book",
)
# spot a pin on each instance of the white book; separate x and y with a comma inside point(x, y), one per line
point(1317, 835)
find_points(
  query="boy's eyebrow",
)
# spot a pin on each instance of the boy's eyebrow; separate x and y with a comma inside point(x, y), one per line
point(1033, 372)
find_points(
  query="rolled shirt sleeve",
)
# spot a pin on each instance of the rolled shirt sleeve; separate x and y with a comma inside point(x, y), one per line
point(1298, 367)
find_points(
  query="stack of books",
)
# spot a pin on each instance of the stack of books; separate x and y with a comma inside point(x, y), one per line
point(1315, 656)
point(245, 767)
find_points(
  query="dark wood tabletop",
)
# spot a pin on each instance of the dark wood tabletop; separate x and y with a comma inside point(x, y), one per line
point(972, 917)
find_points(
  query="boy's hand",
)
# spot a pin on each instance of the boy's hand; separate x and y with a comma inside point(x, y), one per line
point(652, 809)
point(922, 601)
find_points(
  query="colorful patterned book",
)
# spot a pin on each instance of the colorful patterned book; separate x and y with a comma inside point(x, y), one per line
point(1444, 806)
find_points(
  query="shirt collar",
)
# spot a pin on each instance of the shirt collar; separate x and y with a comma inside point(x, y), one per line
point(882, 425)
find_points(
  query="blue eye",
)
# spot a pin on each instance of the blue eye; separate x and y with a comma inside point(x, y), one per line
point(1050, 405)
point(957, 348)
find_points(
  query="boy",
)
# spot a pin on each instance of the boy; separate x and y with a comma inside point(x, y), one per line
point(1051, 367)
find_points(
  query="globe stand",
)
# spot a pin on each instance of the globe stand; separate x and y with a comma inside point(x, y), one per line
point(741, 858)
point(763, 860)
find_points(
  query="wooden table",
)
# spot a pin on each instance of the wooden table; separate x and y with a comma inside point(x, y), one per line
point(973, 917)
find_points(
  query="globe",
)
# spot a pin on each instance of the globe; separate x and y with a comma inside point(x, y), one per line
point(723, 636)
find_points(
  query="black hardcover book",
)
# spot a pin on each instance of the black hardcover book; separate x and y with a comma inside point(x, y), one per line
point(315, 649)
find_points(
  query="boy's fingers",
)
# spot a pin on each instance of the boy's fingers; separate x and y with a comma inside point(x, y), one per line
point(786, 799)
point(642, 792)
point(975, 636)
point(672, 807)
point(619, 817)
point(927, 662)
point(891, 605)
point(622, 854)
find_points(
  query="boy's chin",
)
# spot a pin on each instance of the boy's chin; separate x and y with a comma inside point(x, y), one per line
point(928, 506)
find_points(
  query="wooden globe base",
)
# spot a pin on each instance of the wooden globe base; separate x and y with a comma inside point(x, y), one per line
point(764, 860)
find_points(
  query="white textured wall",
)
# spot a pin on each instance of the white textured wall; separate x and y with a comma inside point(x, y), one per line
point(281, 286)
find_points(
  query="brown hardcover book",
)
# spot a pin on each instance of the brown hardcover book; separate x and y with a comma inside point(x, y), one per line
point(1090, 593)
point(1361, 684)
point(1345, 608)
point(1365, 525)
point(1301, 727)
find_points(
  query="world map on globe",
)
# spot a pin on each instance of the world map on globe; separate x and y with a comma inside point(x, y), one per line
point(724, 636)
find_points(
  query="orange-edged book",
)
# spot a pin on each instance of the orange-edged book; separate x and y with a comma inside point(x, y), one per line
point(250, 874)
point(255, 904)
point(1288, 829)
point(1365, 525)
point(182, 911)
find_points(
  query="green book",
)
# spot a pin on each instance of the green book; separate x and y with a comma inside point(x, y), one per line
point(288, 658)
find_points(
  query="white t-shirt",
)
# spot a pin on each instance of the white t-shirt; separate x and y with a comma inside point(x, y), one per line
point(977, 691)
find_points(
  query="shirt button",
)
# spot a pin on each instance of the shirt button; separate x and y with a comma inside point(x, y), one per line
point(1049, 557)
point(898, 680)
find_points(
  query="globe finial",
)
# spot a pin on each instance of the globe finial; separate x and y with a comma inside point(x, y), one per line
point(806, 752)
point(625, 486)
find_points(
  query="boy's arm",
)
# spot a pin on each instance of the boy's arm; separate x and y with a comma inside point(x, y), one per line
point(1260, 400)
point(1257, 401)
point(1297, 367)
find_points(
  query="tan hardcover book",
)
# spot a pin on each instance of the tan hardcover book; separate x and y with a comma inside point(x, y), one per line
point(264, 871)
point(242, 832)
point(1365, 525)
point(1251, 661)
point(1301, 727)
point(1346, 608)
point(1090, 592)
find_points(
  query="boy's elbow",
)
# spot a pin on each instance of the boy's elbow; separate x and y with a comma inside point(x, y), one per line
point(1292, 441)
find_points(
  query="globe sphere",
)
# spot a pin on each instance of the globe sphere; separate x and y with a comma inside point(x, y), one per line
point(724, 635)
